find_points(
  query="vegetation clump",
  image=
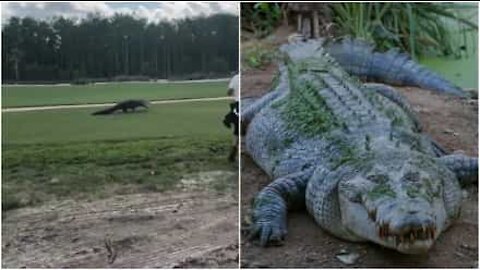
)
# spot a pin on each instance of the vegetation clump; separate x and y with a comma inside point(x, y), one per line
point(418, 28)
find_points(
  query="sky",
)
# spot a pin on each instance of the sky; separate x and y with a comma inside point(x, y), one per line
point(152, 11)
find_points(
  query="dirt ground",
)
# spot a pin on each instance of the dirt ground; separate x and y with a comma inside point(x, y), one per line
point(452, 122)
point(184, 229)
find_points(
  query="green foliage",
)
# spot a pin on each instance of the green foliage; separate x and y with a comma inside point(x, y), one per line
point(17, 96)
point(62, 49)
point(261, 18)
point(419, 28)
point(37, 173)
point(258, 56)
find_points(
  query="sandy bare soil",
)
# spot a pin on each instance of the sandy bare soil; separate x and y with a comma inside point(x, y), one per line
point(450, 121)
point(152, 230)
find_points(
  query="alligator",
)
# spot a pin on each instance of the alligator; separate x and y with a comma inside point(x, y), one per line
point(124, 106)
point(352, 153)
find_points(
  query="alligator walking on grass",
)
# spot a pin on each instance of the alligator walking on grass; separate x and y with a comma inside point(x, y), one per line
point(124, 106)
point(352, 153)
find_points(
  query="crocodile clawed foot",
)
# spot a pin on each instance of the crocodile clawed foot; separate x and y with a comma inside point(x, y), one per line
point(269, 233)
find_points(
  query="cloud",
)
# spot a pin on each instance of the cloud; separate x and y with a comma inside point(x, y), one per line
point(152, 11)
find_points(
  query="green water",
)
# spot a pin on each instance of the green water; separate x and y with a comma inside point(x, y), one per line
point(463, 72)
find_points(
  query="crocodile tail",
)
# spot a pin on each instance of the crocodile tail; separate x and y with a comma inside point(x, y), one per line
point(105, 111)
point(392, 67)
point(465, 167)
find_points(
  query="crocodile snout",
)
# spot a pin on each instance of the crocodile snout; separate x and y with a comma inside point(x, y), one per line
point(408, 226)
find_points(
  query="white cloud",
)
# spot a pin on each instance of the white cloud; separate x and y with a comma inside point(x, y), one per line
point(152, 11)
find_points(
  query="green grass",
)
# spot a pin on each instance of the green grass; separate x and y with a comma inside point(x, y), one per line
point(17, 96)
point(195, 119)
point(69, 154)
point(35, 174)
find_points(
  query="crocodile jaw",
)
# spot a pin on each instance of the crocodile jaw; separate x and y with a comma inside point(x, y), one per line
point(357, 220)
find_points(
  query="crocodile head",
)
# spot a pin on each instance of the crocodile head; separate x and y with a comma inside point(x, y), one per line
point(400, 204)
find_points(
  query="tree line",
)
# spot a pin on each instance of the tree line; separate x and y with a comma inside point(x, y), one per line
point(97, 47)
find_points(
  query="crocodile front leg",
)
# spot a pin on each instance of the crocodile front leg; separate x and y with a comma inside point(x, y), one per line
point(271, 205)
point(465, 167)
point(281, 89)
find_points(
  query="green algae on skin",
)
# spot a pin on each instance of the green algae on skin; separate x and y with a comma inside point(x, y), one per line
point(304, 109)
point(381, 190)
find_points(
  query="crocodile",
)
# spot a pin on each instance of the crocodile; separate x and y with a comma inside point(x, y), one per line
point(123, 106)
point(352, 153)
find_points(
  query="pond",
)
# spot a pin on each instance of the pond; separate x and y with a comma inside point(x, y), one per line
point(463, 70)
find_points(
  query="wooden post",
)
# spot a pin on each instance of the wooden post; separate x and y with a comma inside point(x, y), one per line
point(299, 22)
point(316, 25)
point(307, 28)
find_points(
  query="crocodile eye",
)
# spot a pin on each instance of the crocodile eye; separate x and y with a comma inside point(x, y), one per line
point(353, 189)
point(353, 195)
point(378, 178)
point(411, 177)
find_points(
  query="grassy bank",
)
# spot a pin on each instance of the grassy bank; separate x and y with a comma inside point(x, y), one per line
point(39, 173)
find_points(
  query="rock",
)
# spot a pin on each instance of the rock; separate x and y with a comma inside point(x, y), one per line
point(460, 254)
point(472, 92)
point(54, 180)
point(472, 102)
point(421, 110)
point(465, 246)
point(450, 132)
point(347, 258)
point(247, 220)
point(259, 265)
